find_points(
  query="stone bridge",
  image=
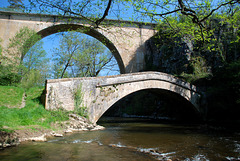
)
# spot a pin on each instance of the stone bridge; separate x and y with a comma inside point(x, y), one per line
point(124, 39)
point(100, 93)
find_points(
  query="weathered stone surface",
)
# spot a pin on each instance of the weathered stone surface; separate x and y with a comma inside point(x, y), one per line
point(162, 55)
point(174, 55)
point(8, 139)
point(124, 39)
point(78, 123)
point(37, 138)
point(68, 131)
point(56, 134)
point(100, 93)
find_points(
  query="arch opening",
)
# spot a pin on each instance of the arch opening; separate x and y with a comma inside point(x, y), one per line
point(154, 104)
point(88, 31)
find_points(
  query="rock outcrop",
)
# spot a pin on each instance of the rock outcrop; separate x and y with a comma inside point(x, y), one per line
point(174, 55)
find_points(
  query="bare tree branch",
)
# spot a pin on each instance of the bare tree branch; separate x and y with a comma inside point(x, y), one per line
point(105, 13)
point(224, 4)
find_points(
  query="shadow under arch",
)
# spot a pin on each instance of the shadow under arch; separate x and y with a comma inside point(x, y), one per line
point(89, 31)
point(175, 99)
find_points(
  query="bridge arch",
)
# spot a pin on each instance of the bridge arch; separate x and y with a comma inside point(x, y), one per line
point(146, 105)
point(128, 37)
point(89, 31)
point(113, 93)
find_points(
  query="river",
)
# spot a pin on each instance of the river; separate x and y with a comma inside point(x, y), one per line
point(134, 139)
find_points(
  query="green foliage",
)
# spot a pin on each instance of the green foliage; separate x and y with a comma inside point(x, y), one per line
point(208, 47)
point(7, 76)
point(35, 58)
point(230, 77)
point(224, 93)
point(26, 60)
point(79, 109)
point(32, 114)
point(34, 93)
point(19, 45)
point(16, 4)
point(33, 78)
point(79, 56)
point(11, 96)
point(198, 70)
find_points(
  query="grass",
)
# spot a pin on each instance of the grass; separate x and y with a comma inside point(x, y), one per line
point(11, 96)
point(31, 115)
point(34, 93)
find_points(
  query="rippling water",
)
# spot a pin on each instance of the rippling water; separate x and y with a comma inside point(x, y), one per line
point(130, 140)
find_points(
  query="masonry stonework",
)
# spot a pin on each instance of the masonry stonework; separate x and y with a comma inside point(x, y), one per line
point(124, 39)
point(100, 93)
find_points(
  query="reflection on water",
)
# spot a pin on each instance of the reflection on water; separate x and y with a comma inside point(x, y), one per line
point(132, 140)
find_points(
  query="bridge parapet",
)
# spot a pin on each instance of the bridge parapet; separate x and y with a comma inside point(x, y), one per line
point(144, 76)
point(100, 93)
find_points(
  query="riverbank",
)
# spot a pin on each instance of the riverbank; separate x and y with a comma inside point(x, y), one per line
point(35, 133)
point(32, 122)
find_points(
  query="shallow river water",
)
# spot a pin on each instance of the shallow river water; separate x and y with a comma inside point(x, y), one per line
point(133, 139)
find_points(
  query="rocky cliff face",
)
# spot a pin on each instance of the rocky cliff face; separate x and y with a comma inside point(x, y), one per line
point(175, 55)
point(167, 55)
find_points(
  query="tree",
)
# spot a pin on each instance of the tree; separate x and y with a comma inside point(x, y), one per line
point(19, 45)
point(93, 58)
point(35, 66)
point(197, 11)
point(16, 4)
point(90, 10)
point(69, 46)
point(79, 55)
point(25, 61)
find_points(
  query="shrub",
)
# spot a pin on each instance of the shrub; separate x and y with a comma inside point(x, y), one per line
point(80, 109)
point(8, 77)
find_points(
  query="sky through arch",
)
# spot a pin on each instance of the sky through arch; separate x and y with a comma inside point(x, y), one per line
point(51, 45)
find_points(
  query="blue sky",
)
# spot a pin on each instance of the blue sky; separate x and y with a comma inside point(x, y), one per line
point(4, 3)
point(50, 43)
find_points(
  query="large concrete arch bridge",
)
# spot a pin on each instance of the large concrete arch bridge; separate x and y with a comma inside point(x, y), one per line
point(100, 93)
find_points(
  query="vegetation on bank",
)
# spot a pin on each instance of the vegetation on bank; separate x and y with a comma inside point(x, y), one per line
point(11, 96)
point(33, 115)
point(224, 93)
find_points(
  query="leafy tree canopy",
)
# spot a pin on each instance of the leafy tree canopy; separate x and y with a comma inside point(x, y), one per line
point(78, 55)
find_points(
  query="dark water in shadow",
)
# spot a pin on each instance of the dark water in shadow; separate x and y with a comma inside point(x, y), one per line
point(135, 140)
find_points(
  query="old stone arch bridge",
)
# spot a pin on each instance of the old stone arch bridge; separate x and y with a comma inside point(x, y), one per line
point(100, 93)
point(124, 39)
